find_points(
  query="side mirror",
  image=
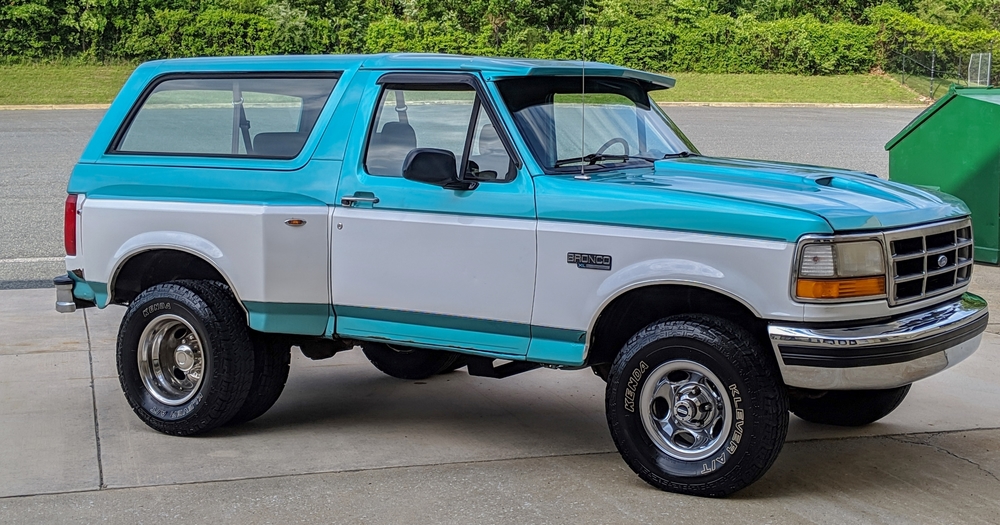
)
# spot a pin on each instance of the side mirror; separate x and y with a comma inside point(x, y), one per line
point(435, 166)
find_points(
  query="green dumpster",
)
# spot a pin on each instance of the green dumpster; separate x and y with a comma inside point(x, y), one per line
point(954, 146)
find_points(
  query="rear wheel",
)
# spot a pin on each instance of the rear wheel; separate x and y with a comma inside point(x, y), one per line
point(184, 357)
point(272, 357)
point(695, 406)
point(847, 408)
point(405, 362)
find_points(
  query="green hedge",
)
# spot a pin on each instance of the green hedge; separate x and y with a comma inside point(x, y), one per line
point(896, 27)
point(682, 36)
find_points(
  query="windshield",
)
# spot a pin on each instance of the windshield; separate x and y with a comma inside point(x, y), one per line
point(614, 124)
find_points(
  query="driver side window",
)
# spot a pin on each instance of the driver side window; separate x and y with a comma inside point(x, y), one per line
point(443, 116)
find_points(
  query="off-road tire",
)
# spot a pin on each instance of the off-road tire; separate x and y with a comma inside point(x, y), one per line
point(757, 402)
point(404, 362)
point(459, 363)
point(228, 361)
point(847, 408)
point(272, 355)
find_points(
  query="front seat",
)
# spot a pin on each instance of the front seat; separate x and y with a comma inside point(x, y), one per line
point(389, 147)
point(492, 155)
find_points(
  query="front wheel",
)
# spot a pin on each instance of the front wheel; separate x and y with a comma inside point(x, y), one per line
point(695, 407)
point(847, 408)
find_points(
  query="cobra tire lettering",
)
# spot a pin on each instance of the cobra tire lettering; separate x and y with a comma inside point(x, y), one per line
point(633, 383)
point(734, 441)
point(156, 307)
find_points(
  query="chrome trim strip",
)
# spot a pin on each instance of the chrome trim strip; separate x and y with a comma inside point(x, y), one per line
point(879, 377)
point(913, 328)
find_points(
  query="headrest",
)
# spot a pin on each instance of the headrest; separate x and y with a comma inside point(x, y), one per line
point(489, 141)
point(287, 144)
point(398, 134)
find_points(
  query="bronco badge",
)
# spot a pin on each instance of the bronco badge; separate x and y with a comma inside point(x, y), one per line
point(589, 261)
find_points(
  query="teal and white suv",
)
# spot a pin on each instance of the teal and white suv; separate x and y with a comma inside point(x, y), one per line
point(503, 215)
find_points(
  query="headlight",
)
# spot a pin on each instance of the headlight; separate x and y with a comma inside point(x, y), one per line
point(841, 270)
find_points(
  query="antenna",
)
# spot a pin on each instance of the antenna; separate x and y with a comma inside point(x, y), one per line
point(583, 99)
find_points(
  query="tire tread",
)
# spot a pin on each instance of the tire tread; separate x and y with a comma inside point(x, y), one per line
point(228, 336)
point(757, 368)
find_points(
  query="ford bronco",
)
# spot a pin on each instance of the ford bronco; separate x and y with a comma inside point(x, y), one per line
point(503, 215)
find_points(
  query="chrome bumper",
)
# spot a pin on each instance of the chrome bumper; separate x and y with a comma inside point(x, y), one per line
point(65, 302)
point(894, 353)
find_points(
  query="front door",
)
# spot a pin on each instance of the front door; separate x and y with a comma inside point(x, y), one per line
point(420, 264)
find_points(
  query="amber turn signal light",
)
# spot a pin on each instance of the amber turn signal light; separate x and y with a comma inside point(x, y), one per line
point(839, 288)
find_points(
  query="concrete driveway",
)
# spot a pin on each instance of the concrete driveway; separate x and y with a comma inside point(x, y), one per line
point(347, 444)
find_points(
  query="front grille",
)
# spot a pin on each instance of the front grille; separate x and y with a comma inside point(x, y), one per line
point(929, 260)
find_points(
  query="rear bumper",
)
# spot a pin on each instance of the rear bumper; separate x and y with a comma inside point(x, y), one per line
point(888, 354)
point(66, 301)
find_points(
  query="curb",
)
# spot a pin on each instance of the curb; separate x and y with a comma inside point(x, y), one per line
point(42, 107)
point(790, 105)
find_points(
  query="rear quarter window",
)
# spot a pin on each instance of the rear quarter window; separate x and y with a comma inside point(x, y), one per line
point(242, 116)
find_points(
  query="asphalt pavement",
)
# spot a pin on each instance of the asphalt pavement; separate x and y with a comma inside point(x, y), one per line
point(38, 149)
point(37, 152)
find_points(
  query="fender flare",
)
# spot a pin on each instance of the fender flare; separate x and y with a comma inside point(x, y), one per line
point(641, 275)
point(170, 240)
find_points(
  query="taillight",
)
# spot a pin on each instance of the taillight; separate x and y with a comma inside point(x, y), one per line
point(69, 225)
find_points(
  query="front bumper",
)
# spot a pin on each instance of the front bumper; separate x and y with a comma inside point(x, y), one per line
point(889, 354)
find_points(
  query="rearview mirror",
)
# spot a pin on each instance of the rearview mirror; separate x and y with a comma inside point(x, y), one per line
point(435, 166)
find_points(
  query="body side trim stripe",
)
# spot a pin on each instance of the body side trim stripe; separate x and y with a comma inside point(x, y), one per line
point(288, 318)
point(436, 320)
point(356, 322)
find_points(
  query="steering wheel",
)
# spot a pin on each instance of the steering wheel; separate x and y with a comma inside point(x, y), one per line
point(612, 142)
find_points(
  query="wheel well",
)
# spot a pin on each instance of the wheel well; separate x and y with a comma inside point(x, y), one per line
point(635, 309)
point(159, 266)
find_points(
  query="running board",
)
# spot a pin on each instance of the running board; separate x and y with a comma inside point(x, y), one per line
point(483, 367)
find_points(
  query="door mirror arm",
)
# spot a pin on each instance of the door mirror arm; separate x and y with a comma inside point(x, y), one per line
point(435, 166)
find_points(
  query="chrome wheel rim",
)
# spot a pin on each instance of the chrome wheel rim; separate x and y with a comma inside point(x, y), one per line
point(685, 410)
point(171, 360)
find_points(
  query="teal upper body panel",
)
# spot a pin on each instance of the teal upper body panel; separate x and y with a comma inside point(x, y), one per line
point(701, 194)
point(746, 198)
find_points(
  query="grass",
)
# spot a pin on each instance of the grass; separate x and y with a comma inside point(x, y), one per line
point(923, 86)
point(839, 89)
point(74, 83)
point(61, 83)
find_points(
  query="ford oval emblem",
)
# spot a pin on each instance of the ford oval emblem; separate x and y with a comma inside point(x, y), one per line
point(942, 261)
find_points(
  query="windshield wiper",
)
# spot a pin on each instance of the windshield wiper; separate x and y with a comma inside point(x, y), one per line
point(680, 155)
point(593, 158)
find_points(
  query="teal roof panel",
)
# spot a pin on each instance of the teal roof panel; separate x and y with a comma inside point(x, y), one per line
point(492, 68)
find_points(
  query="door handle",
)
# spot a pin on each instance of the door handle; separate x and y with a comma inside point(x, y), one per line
point(352, 200)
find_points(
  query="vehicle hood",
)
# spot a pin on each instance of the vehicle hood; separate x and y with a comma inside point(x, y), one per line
point(743, 197)
point(847, 200)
